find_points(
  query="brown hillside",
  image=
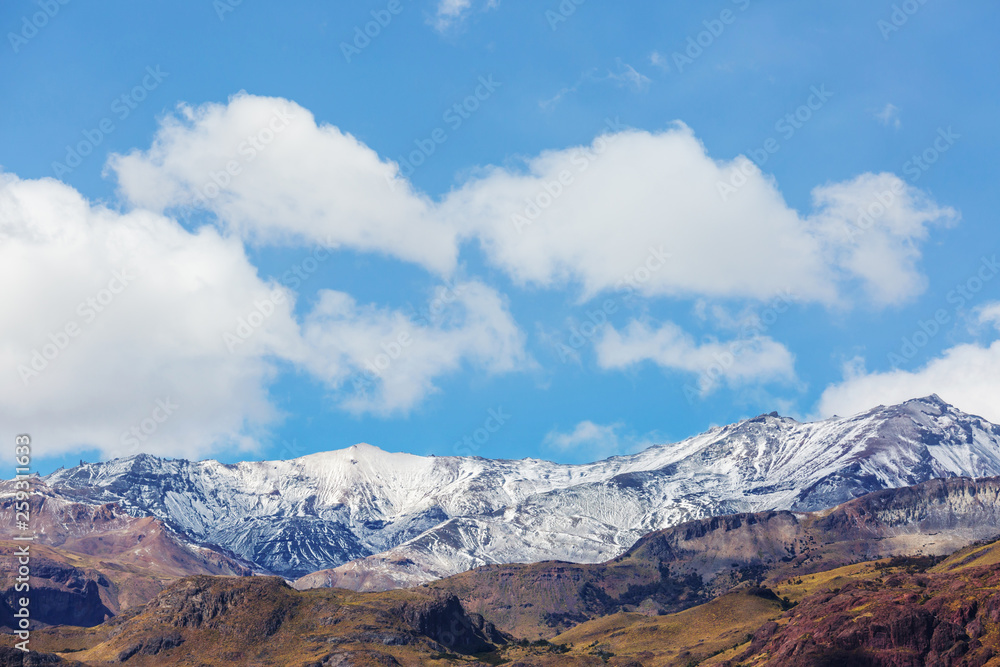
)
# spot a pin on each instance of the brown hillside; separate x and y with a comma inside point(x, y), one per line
point(260, 620)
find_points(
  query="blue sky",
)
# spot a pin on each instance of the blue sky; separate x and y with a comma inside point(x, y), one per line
point(756, 287)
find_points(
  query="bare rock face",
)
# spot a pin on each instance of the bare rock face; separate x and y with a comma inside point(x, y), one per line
point(152, 646)
point(60, 594)
point(445, 620)
point(935, 517)
point(249, 609)
point(352, 658)
point(11, 657)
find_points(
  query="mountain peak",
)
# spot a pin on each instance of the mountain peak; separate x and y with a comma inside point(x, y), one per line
point(932, 404)
point(363, 448)
point(763, 418)
point(367, 457)
point(932, 399)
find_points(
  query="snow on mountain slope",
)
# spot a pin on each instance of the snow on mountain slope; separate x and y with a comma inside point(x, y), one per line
point(400, 519)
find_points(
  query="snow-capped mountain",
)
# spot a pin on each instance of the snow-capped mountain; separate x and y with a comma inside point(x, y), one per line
point(404, 519)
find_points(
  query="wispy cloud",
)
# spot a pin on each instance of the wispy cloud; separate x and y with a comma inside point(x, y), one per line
point(889, 116)
point(657, 59)
point(589, 441)
point(624, 76)
point(989, 314)
point(629, 77)
point(452, 12)
point(558, 97)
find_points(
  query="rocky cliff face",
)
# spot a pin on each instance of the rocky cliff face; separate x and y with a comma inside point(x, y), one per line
point(935, 517)
point(60, 594)
point(398, 519)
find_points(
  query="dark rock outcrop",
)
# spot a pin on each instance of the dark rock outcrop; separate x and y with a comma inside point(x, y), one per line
point(60, 595)
point(11, 657)
point(446, 622)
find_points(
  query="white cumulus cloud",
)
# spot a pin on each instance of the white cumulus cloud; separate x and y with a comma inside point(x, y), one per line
point(586, 216)
point(755, 358)
point(592, 215)
point(123, 313)
point(873, 225)
point(386, 361)
point(271, 174)
point(966, 375)
point(129, 333)
point(114, 313)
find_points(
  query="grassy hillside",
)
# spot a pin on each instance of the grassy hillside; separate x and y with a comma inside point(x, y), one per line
point(871, 613)
point(676, 639)
point(260, 620)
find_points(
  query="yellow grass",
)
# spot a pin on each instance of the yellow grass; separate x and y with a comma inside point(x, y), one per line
point(973, 556)
point(674, 639)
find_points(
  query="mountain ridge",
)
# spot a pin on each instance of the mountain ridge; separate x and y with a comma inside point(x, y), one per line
point(682, 566)
point(371, 519)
